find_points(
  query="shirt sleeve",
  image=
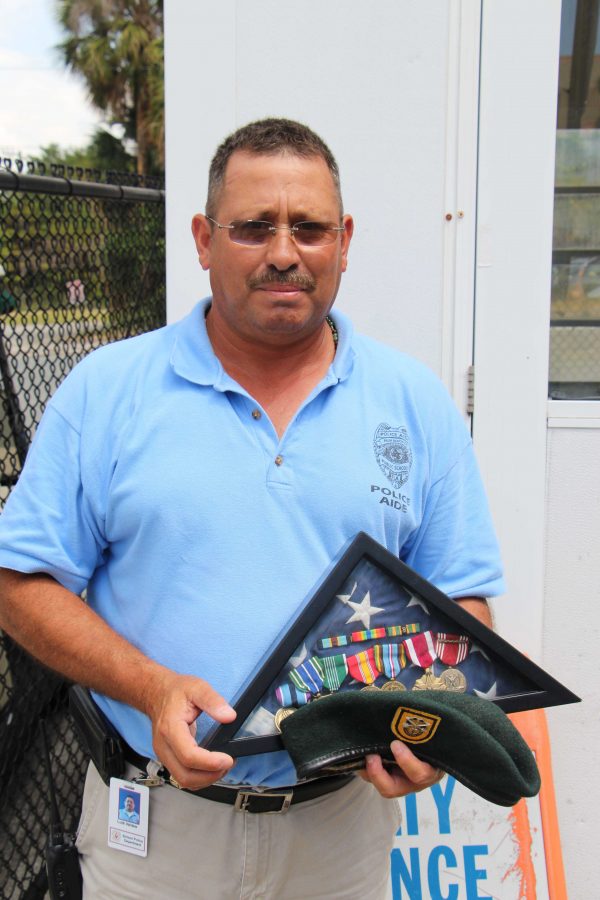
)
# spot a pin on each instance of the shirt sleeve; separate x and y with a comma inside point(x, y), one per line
point(456, 547)
point(48, 524)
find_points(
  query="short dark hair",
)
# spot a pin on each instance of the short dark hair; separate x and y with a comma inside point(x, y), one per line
point(269, 137)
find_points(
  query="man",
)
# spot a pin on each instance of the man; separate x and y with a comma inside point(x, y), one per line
point(128, 813)
point(197, 481)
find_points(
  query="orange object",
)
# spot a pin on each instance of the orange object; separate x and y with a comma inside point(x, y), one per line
point(533, 728)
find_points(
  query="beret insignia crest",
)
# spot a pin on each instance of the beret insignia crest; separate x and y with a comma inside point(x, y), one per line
point(414, 726)
point(393, 453)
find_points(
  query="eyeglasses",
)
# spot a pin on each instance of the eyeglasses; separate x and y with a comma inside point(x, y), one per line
point(255, 232)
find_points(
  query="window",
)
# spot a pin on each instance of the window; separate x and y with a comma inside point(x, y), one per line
point(575, 306)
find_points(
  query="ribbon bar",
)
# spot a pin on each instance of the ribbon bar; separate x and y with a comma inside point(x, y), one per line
point(356, 637)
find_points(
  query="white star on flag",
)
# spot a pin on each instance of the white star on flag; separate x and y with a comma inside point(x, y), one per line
point(475, 648)
point(362, 611)
point(416, 601)
point(295, 661)
point(487, 695)
point(345, 597)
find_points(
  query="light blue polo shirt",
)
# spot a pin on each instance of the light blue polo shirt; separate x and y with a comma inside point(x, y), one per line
point(156, 482)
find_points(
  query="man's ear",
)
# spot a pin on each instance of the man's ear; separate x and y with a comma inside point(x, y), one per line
point(202, 231)
point(348, 224)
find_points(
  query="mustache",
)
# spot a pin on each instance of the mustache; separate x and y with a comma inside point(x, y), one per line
point(304, 282)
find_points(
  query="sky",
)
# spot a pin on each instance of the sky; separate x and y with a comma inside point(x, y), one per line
point(41, 103)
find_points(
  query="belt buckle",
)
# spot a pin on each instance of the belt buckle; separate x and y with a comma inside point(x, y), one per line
point(243, 799)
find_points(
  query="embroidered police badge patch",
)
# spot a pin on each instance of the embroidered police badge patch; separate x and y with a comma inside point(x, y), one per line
point(393, 453)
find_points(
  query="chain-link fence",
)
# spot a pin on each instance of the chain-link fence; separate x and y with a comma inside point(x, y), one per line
point(82, 263)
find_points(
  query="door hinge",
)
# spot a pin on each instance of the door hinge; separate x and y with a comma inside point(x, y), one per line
point(471, 390)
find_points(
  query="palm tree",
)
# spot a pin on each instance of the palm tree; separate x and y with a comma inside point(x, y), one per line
point(117, 46)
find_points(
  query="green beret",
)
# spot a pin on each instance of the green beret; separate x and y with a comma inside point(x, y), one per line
point(466, 736)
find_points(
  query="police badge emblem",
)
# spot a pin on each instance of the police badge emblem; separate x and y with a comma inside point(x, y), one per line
point(393, 453)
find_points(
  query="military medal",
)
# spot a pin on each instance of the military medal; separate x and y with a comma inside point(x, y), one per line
point(389, 658)
point(420, 649)
point(393, 685)
point(282, 714)
point(362, 666)
point(287, 695)
point(429, 682)
point(370, 687)
point(454, 680)
point(335, 669)
point(308, 676)
point(452, 649)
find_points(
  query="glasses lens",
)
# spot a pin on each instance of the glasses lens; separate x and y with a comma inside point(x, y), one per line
point(250, 232)
point(312, 234)
point(253, 232)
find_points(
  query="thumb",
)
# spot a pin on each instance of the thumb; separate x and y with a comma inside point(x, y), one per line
point(209, 701)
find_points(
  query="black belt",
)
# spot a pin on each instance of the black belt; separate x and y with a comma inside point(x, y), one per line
point(252, 801)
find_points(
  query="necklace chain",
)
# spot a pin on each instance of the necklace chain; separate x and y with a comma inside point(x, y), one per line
point(334, 331)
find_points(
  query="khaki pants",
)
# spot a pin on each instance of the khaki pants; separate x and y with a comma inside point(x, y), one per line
point(336, 846)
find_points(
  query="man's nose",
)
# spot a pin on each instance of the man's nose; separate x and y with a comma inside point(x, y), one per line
point(282, 250)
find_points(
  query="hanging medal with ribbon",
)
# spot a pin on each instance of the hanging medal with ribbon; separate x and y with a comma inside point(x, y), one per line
point(452, 649)
point(287, 695)
point(282, 714)
point(362, 666)
point(429, 682)
point(421, 651)
point(308, 676)
point(335, 670)
point(390, 659)
point(289, 699)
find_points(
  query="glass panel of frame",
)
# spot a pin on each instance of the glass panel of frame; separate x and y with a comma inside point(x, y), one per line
point(375, 624)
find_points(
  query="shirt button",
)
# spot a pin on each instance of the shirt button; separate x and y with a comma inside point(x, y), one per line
point(278, 460)
point(256, 414)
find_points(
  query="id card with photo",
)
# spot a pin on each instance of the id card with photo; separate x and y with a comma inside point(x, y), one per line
point(128, 808)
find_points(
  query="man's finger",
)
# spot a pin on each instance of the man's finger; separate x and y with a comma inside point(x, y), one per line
point(420, 773)
point(191, 766)
point(174, 741)
point(190, 755)
point(212, 703)
point(411, 775)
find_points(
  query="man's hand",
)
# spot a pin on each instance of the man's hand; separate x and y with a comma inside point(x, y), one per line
point(412, 774)
point(173, 708)
point(64, 633)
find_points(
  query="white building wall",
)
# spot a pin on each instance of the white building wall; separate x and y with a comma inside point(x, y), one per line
point(571, 634)
point(513, 267)
point(543, 482)
point(374, 82)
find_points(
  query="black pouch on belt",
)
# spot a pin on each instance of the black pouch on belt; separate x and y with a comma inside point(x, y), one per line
point(96, 734)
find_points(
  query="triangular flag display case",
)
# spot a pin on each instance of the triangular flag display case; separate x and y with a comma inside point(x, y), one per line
point(375, 624)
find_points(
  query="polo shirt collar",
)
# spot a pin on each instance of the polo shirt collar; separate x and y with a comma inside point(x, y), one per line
point(345, 353)
point(193, 358)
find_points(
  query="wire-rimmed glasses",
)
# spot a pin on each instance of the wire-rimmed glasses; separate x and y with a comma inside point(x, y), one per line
point(255, 232)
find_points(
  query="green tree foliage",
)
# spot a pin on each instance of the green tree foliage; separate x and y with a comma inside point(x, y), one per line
point(117, 47)
point(104, 152)
point(115, 248)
